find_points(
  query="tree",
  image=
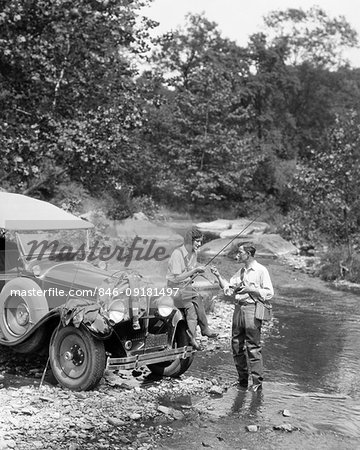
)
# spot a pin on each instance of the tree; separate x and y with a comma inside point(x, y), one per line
point(295, 95)
point(69, 96)
point(311, 36)
point(205, 134)
point(330, 187)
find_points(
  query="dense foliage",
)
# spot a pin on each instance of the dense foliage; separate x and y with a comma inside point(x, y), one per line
point(199, 122)
point(329, 185)
point(69, 100)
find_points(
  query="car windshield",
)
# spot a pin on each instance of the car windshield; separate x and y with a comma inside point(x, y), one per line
point(53, 244)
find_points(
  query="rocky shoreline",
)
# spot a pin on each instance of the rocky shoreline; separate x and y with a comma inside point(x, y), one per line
point(113, 416)
point(310, 265)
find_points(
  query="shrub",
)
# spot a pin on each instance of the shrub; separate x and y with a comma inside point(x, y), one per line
point(338, 263)
point(146, 205)
point(354, 275)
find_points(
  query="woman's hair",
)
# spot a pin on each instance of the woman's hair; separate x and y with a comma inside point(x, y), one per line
point(192, 235)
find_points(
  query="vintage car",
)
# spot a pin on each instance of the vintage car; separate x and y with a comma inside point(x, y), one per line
point(86, 317)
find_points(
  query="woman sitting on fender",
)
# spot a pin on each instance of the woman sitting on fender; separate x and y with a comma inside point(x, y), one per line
point(182, 267)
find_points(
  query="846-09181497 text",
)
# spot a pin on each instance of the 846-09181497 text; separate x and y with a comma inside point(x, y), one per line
point(139, 292)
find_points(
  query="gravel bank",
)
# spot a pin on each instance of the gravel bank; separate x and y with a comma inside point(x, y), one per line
point(125, 411)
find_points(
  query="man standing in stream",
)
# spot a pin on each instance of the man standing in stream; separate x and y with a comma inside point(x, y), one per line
point(251, 288)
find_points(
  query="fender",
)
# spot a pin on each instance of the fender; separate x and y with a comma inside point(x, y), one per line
point(38, 336)
point(81, 311)
point(177, 318)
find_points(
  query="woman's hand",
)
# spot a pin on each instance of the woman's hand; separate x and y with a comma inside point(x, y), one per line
point(199, 269)
point(215, 271)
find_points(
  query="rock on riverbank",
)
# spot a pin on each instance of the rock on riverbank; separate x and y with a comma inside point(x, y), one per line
point(229, 228)
point(266, 245)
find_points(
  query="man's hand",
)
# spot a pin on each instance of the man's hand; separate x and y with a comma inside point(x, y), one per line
point(228, 290)
point(242, 289)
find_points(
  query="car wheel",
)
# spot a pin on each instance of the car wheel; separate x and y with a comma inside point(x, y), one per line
point(77, 358)
point(19, 310)
point(178, 366)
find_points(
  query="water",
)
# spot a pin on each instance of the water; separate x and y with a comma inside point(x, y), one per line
point(311, 358)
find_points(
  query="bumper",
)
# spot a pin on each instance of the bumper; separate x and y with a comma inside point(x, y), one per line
point(136, 361)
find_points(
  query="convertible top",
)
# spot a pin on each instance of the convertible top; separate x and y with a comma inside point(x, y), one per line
point(19, 212)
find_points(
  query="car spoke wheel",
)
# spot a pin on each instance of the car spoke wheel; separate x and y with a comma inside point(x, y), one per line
point(178, 366)
point(77, 358)
point(16, 315)
point(19, 310)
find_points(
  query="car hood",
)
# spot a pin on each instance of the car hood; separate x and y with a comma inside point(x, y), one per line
point(70, 273)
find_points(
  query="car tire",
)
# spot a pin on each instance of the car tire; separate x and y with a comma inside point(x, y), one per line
point(19, 313)
point(77, 358)
point(177, 367)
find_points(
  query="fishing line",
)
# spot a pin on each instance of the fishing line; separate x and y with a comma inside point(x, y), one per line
point(233, 239)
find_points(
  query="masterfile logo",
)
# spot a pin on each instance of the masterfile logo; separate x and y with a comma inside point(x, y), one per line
point(138, 250)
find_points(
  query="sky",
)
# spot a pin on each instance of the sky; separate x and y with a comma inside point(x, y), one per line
point(238, 19)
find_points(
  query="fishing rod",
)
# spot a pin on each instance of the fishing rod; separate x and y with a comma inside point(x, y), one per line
point(223, 248)
point(233, 239)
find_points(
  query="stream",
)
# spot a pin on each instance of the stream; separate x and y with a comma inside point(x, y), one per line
point(311, 361)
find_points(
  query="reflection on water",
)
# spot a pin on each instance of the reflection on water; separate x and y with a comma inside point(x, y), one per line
point(249, 402)
point(312, 363)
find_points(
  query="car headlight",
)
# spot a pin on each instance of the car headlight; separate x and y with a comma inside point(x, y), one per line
point(117, 310)
point(165, 305)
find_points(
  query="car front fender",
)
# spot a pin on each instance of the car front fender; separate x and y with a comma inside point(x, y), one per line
point(79, 311)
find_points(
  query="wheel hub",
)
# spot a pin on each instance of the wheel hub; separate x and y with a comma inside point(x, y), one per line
point(22, 315)
point(75, 355)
